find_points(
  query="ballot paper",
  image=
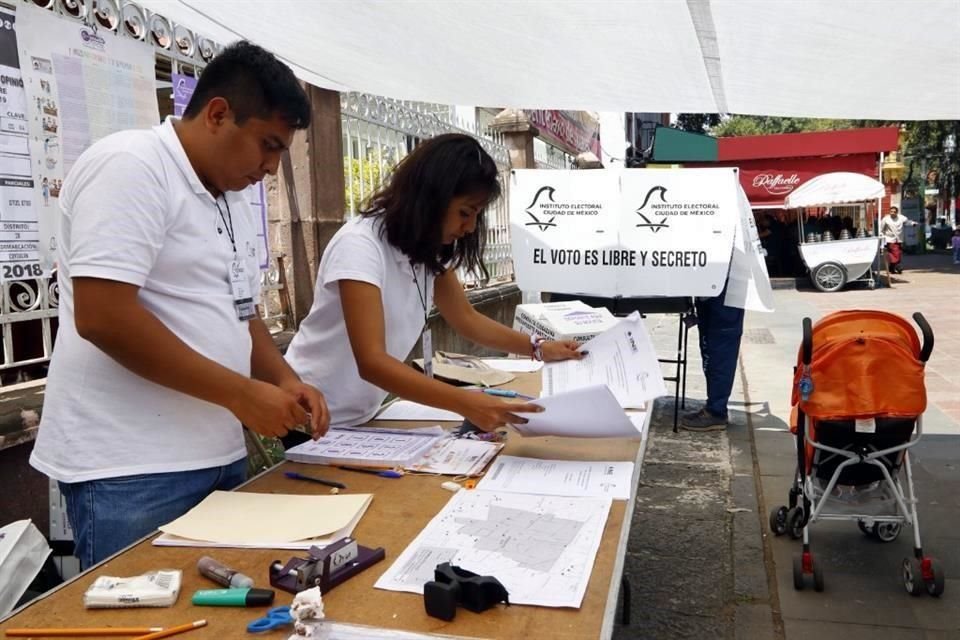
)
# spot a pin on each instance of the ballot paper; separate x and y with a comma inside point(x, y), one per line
point(457, 457)
point(266, 520)
point(591, 412)
point(622, 358)
point(586, 478)
point(366, 446)
point(416, 412)
point(541, 548)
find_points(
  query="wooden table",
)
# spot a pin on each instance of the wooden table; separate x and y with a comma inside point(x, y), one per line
point(400, 509)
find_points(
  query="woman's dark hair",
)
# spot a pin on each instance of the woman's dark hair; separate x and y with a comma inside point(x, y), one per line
point(255, 84)
point(414, 200)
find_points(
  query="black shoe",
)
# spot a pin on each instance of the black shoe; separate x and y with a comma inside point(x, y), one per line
point(702, 420)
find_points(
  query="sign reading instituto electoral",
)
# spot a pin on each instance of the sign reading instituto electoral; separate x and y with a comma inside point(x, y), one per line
point(631, 233)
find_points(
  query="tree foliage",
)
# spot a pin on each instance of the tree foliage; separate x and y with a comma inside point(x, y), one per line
point(697, 122)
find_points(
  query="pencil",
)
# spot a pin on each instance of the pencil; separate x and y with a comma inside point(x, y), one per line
point(81, 633)
point(172, 631)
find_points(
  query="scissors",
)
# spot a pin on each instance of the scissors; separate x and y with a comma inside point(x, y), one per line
point(276, 617)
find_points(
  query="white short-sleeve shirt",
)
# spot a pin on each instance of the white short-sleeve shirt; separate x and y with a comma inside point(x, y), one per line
point(133, 210)
point(320, 352)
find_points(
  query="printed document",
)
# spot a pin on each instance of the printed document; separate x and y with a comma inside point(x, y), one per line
point(542, 548)
point(621, 357)
point(591, 412)
point(366, 446)
point(586, 478)
point(457, 457)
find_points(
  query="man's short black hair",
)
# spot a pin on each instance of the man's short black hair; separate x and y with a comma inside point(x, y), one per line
point(255, 84)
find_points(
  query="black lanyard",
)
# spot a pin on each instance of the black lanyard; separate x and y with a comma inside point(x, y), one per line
point(227, 222)
point(422, 293)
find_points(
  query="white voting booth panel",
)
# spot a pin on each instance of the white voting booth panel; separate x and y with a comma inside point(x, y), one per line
point(630, 233)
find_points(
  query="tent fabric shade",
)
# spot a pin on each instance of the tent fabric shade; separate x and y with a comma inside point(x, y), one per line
point(840, 187)
point(812, 58)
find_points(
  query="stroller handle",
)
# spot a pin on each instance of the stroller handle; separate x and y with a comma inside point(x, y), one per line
point(927, 332)
point(808, 340)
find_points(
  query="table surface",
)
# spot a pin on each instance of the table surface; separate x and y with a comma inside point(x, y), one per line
point(399, 511)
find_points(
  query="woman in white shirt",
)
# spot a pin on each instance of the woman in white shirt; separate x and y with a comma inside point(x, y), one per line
point(381, 274)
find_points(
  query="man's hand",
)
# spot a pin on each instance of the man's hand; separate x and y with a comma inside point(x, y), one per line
point(489, 413)
point(554, 350)
point(267, 409)
point(313, 402)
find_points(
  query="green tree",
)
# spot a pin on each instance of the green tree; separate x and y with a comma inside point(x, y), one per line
point(362, 177)
point(766, 125)
point(697, 122)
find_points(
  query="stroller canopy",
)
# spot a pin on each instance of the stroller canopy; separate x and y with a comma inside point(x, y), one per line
point(865, 364)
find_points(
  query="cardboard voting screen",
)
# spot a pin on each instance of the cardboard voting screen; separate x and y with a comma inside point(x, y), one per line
point(631, 233)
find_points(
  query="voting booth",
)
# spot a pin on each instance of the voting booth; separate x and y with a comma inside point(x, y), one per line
point(647, 240)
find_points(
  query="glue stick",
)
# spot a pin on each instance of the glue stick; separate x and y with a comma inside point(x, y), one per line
point(222, 574)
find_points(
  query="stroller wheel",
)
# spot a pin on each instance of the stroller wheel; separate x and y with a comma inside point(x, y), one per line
point(778, 520)
point(798, 571)
point(936, 583)
point(886, 531)
point(817, 575)
point(912, 576)
point(795, 523)
point(867, 531)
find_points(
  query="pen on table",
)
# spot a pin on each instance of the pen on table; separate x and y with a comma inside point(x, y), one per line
point(506, 393)
point(80, 633)
point(329, 483)
point(383, 473)
point(172, 631)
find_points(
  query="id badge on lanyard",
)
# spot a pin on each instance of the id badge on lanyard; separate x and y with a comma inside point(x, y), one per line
point(426, 338)
point(240, 287)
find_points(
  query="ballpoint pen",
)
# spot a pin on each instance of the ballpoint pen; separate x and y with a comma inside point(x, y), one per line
point(329, 483)
point(383, 473)
point(507, 393)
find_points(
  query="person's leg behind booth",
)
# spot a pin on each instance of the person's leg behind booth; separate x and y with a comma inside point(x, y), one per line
point(894, 256)
point(721, 328)
point(109, 514)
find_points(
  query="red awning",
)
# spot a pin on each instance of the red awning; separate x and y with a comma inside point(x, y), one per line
point(767, 182)
point(815, 143)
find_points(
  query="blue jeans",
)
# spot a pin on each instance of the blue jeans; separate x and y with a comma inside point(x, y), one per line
point(956, 254)
point(720, 330)
point(109, 514)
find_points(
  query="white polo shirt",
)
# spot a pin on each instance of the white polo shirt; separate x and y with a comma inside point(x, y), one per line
point(320, 352)
point(133, 210)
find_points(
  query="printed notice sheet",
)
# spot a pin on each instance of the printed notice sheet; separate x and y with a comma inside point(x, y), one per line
point(366, 446)
point(591, 412)
point(621, 357)
point(514, 474)
point(542, 548)
point(457, 457)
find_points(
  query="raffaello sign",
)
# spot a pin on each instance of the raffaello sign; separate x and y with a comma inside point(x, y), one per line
point(777, 184)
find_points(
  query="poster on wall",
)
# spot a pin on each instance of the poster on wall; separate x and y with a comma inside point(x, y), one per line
point(631, 233)
point(183, 87)
point(82, 84)
point(19, 228)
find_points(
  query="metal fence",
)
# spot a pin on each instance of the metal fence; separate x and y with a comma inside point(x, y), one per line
point(378, 132)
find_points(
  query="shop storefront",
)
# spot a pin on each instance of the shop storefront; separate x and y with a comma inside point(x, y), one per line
point(773, 166)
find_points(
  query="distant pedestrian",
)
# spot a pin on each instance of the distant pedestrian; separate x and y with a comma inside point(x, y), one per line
point(955, 243)
point(891, 228)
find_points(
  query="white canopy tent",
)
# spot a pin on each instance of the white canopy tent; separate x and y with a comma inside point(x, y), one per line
point(883, 59)
point(840, 187)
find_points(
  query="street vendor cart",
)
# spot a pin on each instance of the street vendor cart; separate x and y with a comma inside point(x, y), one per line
point(835, 258)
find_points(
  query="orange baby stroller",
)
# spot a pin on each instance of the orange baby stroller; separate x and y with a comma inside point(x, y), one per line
point(858, 399)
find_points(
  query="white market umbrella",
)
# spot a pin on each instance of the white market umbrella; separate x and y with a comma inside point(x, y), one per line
point(840, 187)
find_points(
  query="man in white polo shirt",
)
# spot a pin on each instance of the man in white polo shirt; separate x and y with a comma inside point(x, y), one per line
point(160, 354)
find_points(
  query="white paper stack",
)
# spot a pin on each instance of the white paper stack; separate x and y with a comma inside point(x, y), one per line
point(367, 447)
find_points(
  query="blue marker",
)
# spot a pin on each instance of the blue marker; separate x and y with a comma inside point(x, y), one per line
point(383, 473)
point(507, 393)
